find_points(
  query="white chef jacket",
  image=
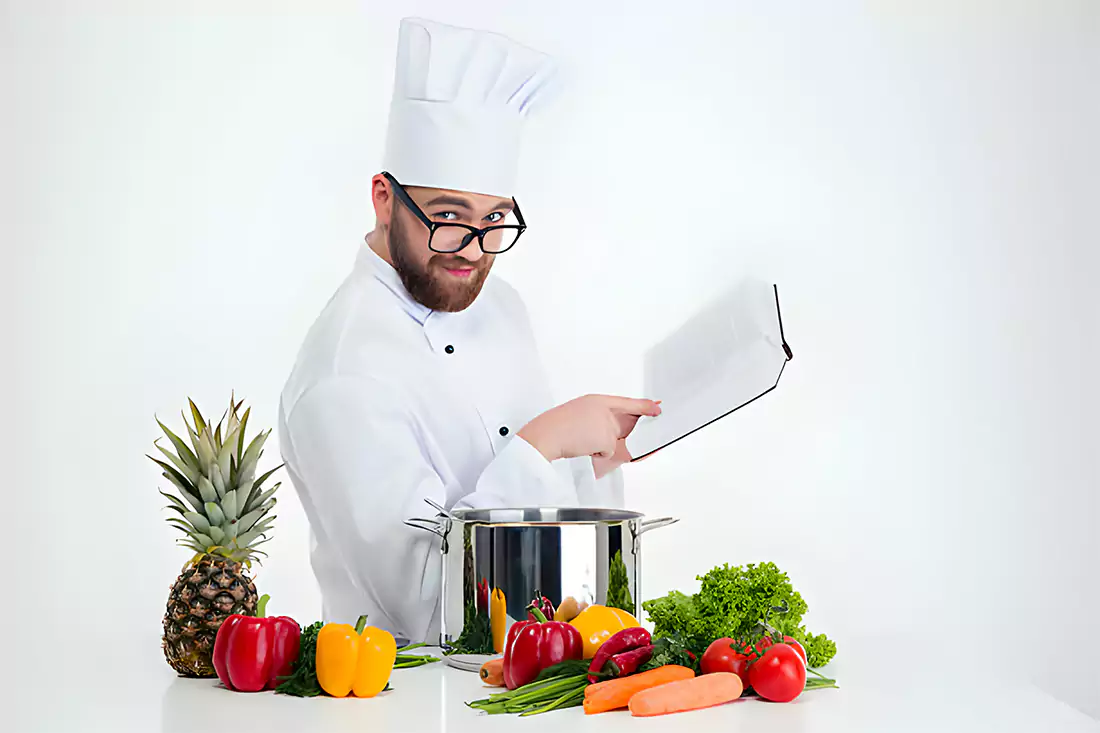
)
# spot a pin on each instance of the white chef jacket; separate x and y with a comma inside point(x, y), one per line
point(390, 403)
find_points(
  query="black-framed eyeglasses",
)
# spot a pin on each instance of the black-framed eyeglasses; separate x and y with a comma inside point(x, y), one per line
point(448, 237)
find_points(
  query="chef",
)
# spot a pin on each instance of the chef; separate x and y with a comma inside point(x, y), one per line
point(420, 379)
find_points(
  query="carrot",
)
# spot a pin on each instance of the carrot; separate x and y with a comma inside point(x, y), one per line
point(492, 672)
point(614, 694)
point(677, 697)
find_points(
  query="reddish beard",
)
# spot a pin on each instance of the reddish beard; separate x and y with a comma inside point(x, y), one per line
point(429, 284)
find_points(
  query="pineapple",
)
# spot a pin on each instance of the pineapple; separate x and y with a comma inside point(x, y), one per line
point(222, 513)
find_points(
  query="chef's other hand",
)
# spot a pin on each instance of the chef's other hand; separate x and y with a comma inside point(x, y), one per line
point(602, 466)
point(591, 425)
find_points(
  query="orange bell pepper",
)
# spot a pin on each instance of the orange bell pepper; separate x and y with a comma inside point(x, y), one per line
point(597, 624)
point(356, 660)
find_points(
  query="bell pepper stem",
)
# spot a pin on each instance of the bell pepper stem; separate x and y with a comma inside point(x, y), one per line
point(261, 607)
point(360, 624)
point(537, 613)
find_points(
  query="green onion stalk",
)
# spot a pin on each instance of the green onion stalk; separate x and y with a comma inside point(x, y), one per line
point(541, 696)
point(408, 661)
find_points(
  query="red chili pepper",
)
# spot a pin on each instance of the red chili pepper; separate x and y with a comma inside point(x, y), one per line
point(252, 652)
point(483, 595)
point(542, 603)
point(626, 663)
point(533, 646)
point(622, 641)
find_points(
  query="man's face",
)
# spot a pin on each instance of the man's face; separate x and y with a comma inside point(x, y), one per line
point(443, 282)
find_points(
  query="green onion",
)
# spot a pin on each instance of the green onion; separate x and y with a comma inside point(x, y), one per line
point(565, 701)
point(537, 697)
point(408, 661)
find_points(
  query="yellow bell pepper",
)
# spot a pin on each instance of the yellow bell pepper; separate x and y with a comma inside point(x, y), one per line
point(597, 624)
point(498, 618)
point(356, 660)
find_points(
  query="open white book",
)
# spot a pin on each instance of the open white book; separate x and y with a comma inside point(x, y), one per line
point(722, 358)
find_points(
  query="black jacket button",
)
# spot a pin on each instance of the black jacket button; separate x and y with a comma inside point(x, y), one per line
point(504, 430)
point(449, 349)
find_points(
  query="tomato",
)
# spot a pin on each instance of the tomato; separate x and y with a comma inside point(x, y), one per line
point(780, 675)
point(721, 657)
point(767, 642)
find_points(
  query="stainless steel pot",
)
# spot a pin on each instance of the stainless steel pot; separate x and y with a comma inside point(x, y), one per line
point(586, 554)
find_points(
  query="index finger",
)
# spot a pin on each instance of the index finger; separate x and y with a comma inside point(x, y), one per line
point(633, 406)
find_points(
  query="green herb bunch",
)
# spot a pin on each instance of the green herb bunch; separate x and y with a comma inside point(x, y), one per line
point(671, 650)
point(302, 681)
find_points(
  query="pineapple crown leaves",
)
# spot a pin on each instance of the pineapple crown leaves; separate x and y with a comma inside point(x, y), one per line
point(222, 508)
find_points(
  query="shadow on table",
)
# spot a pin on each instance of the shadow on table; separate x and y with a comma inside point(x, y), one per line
point(187, 703)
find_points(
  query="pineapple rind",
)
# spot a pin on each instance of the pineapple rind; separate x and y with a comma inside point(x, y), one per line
point(206, 593)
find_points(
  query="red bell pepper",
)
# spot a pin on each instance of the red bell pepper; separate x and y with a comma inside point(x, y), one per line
point(252, 652)
point(483, 596)
point(542, 603)
point(533, 646)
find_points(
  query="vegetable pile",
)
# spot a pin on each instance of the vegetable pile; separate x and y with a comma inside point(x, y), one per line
point(740, 635)
point(732, 602)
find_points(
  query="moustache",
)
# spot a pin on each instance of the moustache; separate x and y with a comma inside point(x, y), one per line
point(457, 262)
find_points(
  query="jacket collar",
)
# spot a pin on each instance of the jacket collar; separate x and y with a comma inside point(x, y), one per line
point(369, 261)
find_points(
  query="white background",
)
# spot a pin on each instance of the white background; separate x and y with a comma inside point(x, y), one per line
point(184, 188)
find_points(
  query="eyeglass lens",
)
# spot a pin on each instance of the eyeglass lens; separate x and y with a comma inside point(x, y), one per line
point(455, 238)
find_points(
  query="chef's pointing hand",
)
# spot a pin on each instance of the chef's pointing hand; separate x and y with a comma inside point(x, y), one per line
point(592, 425)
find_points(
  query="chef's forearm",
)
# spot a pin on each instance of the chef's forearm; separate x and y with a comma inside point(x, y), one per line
point(541, 440)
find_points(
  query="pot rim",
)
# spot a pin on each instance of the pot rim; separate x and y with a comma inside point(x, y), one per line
point(526, 516)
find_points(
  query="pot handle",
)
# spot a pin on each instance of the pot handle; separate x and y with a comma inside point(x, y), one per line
point(655, 524)
point(433, 525)
point(438, 507)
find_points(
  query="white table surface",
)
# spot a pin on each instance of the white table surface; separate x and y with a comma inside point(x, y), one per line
point(130, 687)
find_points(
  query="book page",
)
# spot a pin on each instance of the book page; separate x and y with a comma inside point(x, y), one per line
point(723, 357)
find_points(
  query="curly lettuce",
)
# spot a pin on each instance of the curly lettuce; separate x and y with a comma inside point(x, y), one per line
point(734, 601)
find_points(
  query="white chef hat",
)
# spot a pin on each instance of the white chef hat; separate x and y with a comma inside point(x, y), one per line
point(459, 99)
